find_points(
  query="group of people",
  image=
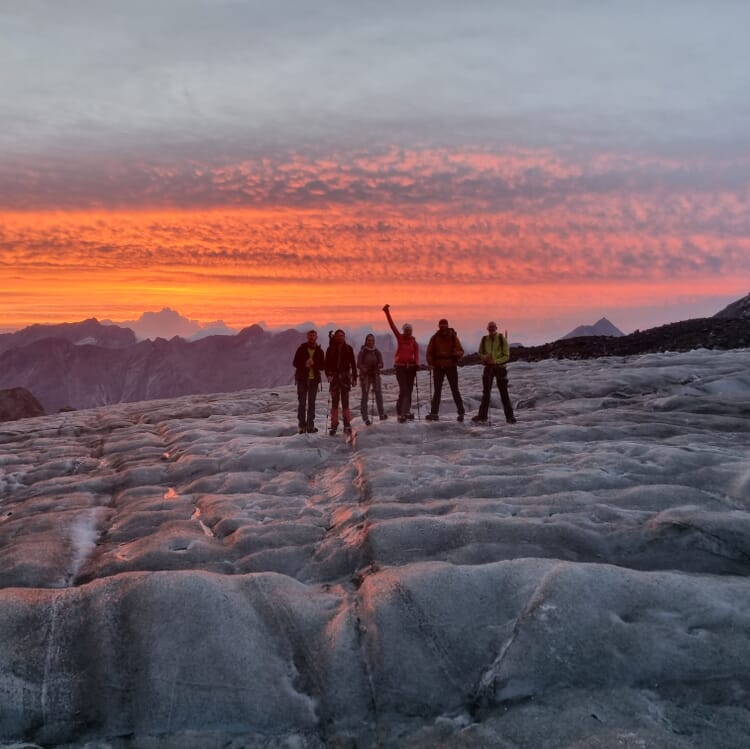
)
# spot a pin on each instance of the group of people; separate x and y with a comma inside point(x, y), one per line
point(342, 370)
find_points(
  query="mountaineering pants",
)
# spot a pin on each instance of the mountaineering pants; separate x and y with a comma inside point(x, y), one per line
point(340, 387)
point(405, 377)
point(307, 391)
point(500, 374)
point(452, 374)
point(371, 380)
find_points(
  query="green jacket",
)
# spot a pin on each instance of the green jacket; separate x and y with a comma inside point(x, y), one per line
point(497, 348)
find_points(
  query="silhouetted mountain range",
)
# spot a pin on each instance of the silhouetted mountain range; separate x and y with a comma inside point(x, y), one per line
point(86, 364)
point(704, 332)
point(86, 332)
point(717, 332)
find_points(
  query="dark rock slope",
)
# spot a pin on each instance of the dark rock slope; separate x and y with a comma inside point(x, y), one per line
point(18, 403)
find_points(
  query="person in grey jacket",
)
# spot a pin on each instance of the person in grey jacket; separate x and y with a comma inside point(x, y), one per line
point(369, 364)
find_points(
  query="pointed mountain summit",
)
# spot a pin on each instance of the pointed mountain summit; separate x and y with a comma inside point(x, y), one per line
point(600, 327)
point(739, 310)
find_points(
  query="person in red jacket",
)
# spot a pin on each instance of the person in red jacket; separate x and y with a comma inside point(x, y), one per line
point(341, 371)
point(406, 362)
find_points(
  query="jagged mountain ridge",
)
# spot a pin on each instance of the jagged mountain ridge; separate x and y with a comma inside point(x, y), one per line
point(61, 371)
point(85, 332)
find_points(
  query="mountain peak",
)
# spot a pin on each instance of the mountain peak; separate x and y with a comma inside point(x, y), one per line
point(601, 327)
point(737, 310)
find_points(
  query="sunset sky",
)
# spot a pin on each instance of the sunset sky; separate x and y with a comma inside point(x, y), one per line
point(543, 163)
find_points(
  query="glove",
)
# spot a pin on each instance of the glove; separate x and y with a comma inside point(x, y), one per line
point(386, 307)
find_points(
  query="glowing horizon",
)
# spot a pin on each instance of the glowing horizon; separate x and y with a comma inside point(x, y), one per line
point(580, 251)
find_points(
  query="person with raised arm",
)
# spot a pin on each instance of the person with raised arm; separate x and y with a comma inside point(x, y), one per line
point(405, 362)
point(494, 353)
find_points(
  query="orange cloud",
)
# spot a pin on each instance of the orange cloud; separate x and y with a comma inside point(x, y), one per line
point(300, 238)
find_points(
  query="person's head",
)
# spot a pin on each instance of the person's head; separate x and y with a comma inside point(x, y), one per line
point(443, 324)
point(370, 340)
point(312, 337)
point(491, 327)
point(339, 336)
point(406, 328)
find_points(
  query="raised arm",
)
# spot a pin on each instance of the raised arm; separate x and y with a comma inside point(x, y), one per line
point(387, 310)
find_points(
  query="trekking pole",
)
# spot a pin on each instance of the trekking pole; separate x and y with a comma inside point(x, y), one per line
point(373, 383)
point(416, 384)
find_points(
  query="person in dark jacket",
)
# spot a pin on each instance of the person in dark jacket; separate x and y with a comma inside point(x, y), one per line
point(369, 364)
point(308, 363)
point(443, 352)
point(341, 371)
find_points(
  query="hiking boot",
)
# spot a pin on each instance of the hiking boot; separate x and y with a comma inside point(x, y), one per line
point(332, 430)
point(410, 417)
point(347, 428)
point(511, 420)
point(383, 417)
point(367, 422)
point(302, 429)
point(479, 419)
point(312, 430)
point(402, 419)
point(432, 417)
point(460, 417)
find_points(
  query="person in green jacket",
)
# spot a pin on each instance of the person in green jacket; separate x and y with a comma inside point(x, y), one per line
point(494, 353)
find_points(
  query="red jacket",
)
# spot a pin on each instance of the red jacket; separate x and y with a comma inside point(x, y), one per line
point(407, 350)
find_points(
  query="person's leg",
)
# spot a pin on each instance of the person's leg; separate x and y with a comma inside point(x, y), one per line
point(335, 394)
point(438, 374)
point(365, 384)
point(345, 406)
point(301, 399)
point(452, 374)
point(484, 406)
point(411, 375)
point(312, 394)
point(402, 380)
point(502, 386)
point(379, 397)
